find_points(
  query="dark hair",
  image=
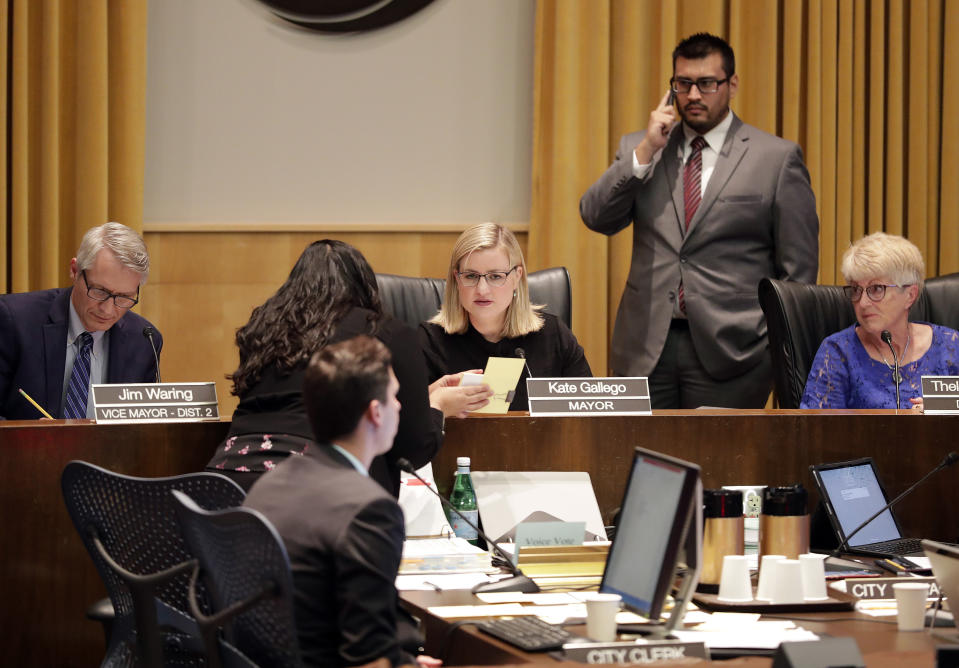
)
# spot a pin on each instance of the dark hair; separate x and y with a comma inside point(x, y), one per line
point(703, 44)
point(341, 381)
point(330, 278)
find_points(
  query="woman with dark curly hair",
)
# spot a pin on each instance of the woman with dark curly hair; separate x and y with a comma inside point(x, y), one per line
point(330, 296)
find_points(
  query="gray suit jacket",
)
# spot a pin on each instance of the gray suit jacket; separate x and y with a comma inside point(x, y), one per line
point(757, 219)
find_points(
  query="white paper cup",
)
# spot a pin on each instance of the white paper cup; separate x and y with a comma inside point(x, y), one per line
point(601, 612)
point(734, 582)
point(813, 569)
point(911, 604)
point(766, 575)
point(787, 581)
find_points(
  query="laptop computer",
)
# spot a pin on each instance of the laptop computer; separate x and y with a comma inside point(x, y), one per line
point(851, 492)
point(944, 559)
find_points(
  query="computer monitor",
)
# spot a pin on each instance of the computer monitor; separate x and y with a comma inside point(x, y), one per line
point(660, 527)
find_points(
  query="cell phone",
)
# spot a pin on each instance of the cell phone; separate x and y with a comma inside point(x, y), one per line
point(672, 96)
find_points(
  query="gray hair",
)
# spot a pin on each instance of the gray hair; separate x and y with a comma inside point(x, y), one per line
point(125, 244)
point(881, 255)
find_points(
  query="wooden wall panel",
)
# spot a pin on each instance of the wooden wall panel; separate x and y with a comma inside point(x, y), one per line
point(203, 286)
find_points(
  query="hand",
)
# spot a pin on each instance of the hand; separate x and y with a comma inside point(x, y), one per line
point(451, 380)
point(917, 404)
point(459, 401)
point(428, 662)
point(661, 121)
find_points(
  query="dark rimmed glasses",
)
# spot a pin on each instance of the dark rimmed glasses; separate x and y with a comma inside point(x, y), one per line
point(496, 279)
point(705, 85)
point(101, 295)
point(876, 292)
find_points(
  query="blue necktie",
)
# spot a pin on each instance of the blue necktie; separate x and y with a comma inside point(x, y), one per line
point(76, 404)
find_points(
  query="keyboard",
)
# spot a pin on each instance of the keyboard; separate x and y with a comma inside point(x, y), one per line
point(897, 546)
point(530, 634)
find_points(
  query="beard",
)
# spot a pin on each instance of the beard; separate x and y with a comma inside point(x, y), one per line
point(703, 123)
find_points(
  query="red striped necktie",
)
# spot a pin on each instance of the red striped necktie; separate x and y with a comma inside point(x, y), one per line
point(692, 193)
point(692, 179)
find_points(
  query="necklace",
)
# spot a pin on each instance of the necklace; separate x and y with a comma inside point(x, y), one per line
point(896, 376)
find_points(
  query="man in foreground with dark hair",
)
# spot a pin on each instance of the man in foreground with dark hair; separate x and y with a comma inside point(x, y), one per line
point(716, 205)
point(343, 532)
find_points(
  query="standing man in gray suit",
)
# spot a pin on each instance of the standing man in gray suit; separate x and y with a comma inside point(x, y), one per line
point(716, 205)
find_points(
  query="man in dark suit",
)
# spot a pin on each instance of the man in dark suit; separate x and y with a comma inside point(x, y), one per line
point(343, 532)
point(55, 343)
point(716, 205)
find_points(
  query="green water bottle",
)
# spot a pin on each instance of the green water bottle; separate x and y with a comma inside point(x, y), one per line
point(463, 499)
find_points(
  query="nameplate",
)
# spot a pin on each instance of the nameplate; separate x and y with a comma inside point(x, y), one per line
point(940, 395)
point(880, 589)
point(155, 402)
point(631, 653)
point(550, 534)
point(556, 397)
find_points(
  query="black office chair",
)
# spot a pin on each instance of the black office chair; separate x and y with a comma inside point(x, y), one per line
point(415, 300)
point(800, 316)
point(130, 529)
point(244, 565)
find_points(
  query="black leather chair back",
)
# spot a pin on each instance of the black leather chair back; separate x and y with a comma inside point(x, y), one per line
point(415, 300)
point(800, 316)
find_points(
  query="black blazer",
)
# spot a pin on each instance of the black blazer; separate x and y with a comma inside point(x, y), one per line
point(275, 404)
point(33, 351)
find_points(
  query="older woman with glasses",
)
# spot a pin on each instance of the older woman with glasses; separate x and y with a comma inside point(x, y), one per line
point(486, 312)
point(857, 367)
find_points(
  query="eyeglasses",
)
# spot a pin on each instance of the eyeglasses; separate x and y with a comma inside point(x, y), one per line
point(101, 295)
point(875, 292)
point(706, 85)
point(495, 279)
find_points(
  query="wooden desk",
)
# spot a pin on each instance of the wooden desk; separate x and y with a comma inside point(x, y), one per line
point(880, 643)
point(753, 447)
point(48, 580)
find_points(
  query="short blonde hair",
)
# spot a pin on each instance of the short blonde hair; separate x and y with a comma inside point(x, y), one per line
point(123, 242)
point(521, 316)
point(881, 255)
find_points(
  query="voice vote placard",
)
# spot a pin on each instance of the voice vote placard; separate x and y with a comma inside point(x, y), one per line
point(940, 395)
point(557, 397)
point(155, 402)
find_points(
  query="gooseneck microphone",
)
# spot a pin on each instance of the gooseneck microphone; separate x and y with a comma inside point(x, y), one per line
point(947, 461)
point(520, 353)
point(896, 376)
point(148, 332)
point(518, 582)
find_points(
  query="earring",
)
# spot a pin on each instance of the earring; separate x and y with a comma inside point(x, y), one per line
point(514, 294)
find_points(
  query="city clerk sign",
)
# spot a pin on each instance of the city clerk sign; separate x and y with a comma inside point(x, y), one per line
point(588, 396)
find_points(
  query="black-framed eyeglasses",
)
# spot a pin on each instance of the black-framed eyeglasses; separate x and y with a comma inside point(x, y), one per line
point(496, 279)
point(706, 85)
point(101, 295)
point(876, 292)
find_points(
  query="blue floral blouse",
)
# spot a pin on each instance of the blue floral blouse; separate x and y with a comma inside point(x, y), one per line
point(843, 375)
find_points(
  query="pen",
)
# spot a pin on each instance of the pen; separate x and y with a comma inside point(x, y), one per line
point(889, 565)
point(35, 404)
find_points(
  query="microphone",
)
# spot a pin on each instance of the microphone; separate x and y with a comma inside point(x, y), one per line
point(520, 353)
point(148, 332)
point(518, 582)
point(896, 376)
point(947, 461)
